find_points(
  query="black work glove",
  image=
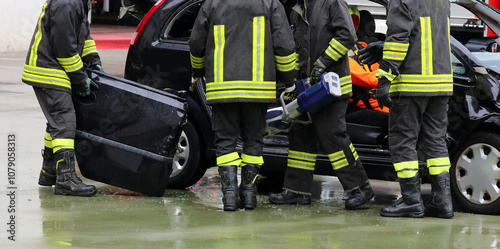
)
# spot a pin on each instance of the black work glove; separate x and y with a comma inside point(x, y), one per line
point(315, 74)
point(371, 53)
point(382, 93)
point(83, 88)
point(291, 93)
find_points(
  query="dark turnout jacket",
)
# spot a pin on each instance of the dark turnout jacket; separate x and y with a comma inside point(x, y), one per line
point(60, 46)
point(417, 57)
point(242, 47)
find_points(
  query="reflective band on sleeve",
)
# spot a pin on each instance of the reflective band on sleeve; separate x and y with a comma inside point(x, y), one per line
point(382, 73)
point(89, 48)
point(197, 62)
point(231, 159)
point(285, 63)
point(395, 51)
point(346, 84)
point(301, 160)
point(438, 165)
point(336, 50)
point(71, 64)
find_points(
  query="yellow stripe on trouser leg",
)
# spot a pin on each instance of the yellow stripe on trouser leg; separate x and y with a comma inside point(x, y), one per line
point(47, 141)
point(231, 159)
point(406, 169)
point(247, 159)
point(438, 165)
point(59, 144)
point(301, 160)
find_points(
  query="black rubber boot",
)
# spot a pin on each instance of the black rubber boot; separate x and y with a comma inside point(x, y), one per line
point(359, 196)
point(68, 183)
point(410, 205)
point(248, 190)
point(229, 180)
point(289, 197)
point(440, 205)
point(48, 173)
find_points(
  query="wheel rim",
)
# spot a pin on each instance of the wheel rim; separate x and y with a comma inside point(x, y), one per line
point(478, 173)
point(181, 155)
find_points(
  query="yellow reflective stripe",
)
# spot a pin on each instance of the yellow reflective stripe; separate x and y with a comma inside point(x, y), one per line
point(301, 160)
point(395, 51)
point(241, 89)
point(338, 160)
point(72, 63)
point(297, 65)
point(354, 152)
point(406, 169)
point(333, 54)
point(259, 26)
point(241, 84)
point(231, 159)
point(437, 78)
point(422, 83)
point(89, 48)
point(285, 63)
point(241, 94)
point(438, 165)
point(426, 45)
point(46, 76)
point(64, 143)
point(37, 39)
point(47, 140)
point(382, 73)
point(247, 159)
point(197, 62)
point(346, 84)
point(336, 50)
point(220, 41)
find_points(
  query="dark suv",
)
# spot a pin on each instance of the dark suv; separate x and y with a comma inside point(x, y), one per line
point(159, 57)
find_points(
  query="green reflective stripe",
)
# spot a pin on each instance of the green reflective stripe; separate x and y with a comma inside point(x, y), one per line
point(37, 38)
point(438, 165)
point(301, 160)
point(89, 48)
point(231, 159)
point(285, 63)
point(46, 76)
point(426, 45)
point(382, 73)
point(220, 41)
point(406, 169)
point(354, 152)
point(72, 63)
point(247, 159)
point(197, 62)
point(259, 26)
point(59, 144)
point(345, 84)
point(336, 50)
point(338, 160)
point(47, 140)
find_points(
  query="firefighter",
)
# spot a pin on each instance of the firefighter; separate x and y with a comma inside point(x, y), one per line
point(324, 33)
point(416, 80)
point(60, 49)
point(241, 48)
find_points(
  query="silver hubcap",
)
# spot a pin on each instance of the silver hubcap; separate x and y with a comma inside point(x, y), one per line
point(181, 155)
point(478, 173)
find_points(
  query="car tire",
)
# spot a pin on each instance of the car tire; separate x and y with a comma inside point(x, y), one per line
point(475, 173)
point(186, 166)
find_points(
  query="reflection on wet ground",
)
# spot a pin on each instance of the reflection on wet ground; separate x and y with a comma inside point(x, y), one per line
point(193, 218)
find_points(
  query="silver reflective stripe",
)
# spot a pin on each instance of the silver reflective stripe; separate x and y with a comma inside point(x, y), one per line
point(219, 40)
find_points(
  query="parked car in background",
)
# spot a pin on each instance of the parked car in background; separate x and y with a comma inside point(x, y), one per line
point(159, 57)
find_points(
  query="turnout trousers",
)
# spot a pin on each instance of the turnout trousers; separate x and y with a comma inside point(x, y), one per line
point(423, 120)
point(231, 121)
point(57, 106)
point(328, 130)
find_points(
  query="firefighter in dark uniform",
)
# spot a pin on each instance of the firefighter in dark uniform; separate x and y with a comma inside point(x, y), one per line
point(241, 47)
point(60, 49)
point(415, 71)
point(324, 33)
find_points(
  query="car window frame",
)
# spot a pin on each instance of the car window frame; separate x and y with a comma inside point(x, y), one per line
point(167, 26)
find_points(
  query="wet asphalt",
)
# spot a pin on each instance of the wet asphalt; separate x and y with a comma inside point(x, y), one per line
point(32, 217)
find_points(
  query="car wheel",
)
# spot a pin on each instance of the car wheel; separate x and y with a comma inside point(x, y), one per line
point(186, 167)
point(475, 173)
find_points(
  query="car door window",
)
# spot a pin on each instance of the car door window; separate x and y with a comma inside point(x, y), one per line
point(178, 28)
point(459, 69)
